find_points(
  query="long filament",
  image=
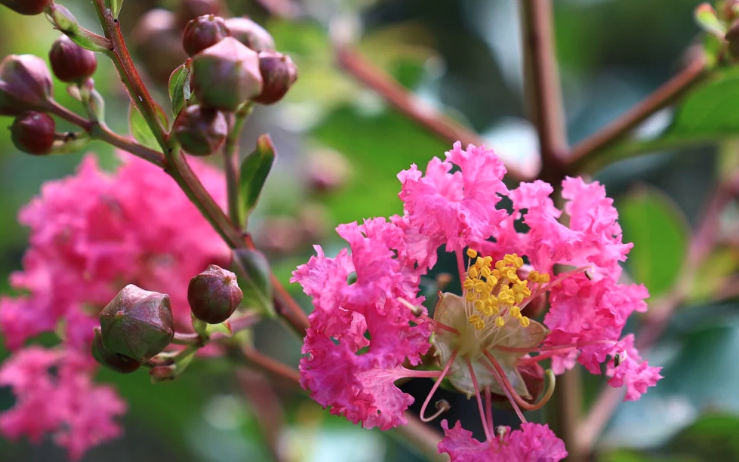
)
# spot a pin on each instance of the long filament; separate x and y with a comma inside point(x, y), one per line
point(435, 387)
point(479, 400)
point(507, 385)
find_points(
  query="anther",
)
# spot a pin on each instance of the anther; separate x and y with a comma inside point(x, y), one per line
point(416, 310)
point(499, 321)
point(472, 253)
point(501, 431)
point(619, 358)
point(589, 274)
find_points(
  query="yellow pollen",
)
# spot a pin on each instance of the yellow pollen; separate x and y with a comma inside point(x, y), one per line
point(485, 272)
point(477, 321)
point(516, 312)
point(533, 276)
point(488, 260)
point(524, 321)
point(479, 305)
point(472, 253)
point(479, 286)
point(480, 263)
point(469, 296)
point(473, 272)
point(518, 262)
point(544, 278)
point(499, 321)
point(468, 284)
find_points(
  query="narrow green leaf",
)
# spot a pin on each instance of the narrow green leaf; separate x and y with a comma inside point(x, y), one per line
point(254, 170)
point(660, 235)
point(115, 7)
point(252, 270)
point(706, 18)
point(179, 87)
point(140, 130)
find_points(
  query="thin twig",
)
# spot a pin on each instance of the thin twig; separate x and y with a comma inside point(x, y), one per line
point(542, 84)
point(422, 438)
point(231, 162)
point(351, 61)
point(662, 97)
point(270, 365)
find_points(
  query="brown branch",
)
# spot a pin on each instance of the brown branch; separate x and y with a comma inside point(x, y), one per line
point(664, 96)
point(544, 96)
point(269, 365)
point(351, 61)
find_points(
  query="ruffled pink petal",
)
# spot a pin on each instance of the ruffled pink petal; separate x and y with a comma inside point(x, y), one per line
point(633, 372)
point(532, 443)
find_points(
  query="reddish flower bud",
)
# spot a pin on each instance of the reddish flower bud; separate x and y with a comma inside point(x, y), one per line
point(114, 361)
point(226, 75)
point(202, 33)
point(27, 7)
point(157, 40)
point(70, 62)
point(162, 374)
point(33, 132)
point(279, 73)
point(137, 323)
point(187, 10)
point(250, 34)
point(214, 295)
point(25, 84)
point(200, 131)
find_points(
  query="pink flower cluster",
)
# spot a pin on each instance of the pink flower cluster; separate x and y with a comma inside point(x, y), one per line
point(360, 335)
point(90, 235)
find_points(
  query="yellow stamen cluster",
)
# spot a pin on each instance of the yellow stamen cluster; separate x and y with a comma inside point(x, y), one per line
point(495, 290)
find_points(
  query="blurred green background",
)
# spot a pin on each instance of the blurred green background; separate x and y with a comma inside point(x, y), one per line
point(340, 147)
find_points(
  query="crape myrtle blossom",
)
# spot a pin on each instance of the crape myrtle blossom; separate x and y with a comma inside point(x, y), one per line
point(91, 234)
point(369, 328)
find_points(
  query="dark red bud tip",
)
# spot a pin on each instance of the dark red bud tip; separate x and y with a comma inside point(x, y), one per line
point(226, 75)
point(70, 62)
point(279, 73)
point(116, 362)
point(33, 133)
point(250, 34)
point(27, 7)
point(137, 323)
point(200, 131)
point(214, 295)
point(25, 84)
point(202, 33)
point(162, 374)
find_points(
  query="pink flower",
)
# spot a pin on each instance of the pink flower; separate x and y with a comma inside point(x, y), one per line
point(455, 208)
point(360, 386)
point(636, 374)
point(68, 405)
point(532, 443)
point(91, 234)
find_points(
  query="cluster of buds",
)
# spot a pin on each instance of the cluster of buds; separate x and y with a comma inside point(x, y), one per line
point(232, 66)
point(26, 92)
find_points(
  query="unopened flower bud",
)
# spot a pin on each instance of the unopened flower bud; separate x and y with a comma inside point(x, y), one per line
point(200, 131)
point(327, 171)
point(203, 32)
point(279, 73)
point(214, 295)
point(137, 323)
point(226, 75)
point(162, 374)
point(25, 84)
point(33, 132)
point(63, 19)
point(250, 34)
point(157, 40)
point(114, 361)
point(27, 7)
point(188, 10)
point(535, 307)
point(70, 62)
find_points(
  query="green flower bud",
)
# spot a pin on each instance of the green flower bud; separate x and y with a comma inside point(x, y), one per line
point(200, 131)
point(214, 295)
point(137, 323)
point(114, 361)
point(25, 84)
point(203, 32)
point(27, 7)
point(33, 132)
point(250, 34)
point(70, 62)
point(63, 19)
point(226, 75)
point(279, 73)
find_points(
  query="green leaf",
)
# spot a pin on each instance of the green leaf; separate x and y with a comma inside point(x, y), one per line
point(709, 110)
point(179, 87)
point(140, 130)
point(660, 235)
point(706, 18)
point(252, 270)
point(115, 7)
point(253, 173)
